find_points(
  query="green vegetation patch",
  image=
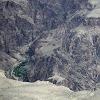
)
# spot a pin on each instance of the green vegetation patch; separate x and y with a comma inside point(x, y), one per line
point(20, 71)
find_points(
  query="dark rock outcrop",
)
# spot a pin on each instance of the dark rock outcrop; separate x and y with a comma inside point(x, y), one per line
point(45, 34)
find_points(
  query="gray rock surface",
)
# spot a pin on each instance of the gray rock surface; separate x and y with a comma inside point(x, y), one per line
point(56, 39)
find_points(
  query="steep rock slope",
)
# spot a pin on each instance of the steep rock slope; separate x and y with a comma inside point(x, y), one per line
point(53, 40)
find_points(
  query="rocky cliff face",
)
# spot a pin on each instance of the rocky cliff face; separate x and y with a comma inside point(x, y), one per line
point(51, 40)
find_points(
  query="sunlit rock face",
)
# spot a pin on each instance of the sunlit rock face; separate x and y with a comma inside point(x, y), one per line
point(40, 90)
point(55, 40)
